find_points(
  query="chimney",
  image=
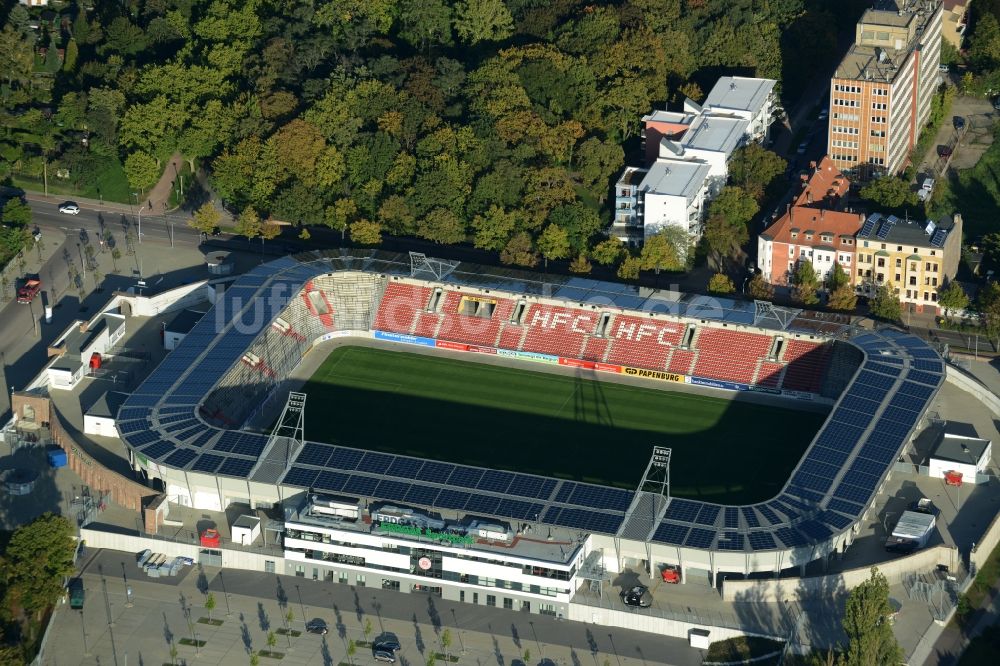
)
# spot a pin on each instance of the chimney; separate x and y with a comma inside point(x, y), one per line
point(861, 218)
point(822, 213)
point(809, 196)
point(83, 327)
point(812, 165)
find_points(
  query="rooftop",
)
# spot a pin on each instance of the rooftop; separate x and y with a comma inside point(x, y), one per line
point(739, 93)
point(825, 187)
point(184, 321)
point(893, 230)
point(675, 178)
point(108, 404)
point(715, 133)
point(549, 544)
point(662, 116)
point(958, 429)
point(960, 449)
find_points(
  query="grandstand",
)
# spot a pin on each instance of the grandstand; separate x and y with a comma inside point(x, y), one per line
point(880, 384)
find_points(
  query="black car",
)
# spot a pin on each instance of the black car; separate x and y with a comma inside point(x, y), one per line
point(386, 642)
point(637, 596)
point(958, 122)
point(317, 626)
point(384, 655)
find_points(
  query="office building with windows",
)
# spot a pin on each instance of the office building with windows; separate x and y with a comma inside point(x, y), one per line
point(880, 95)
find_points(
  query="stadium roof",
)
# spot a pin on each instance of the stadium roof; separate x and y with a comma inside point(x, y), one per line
point(831, 488)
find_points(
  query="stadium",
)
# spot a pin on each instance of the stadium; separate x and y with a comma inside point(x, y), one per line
point(206, 424)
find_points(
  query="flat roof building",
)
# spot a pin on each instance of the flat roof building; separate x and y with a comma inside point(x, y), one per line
point(880, 94)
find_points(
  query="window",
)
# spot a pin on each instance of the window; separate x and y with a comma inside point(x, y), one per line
point(913, 266)
point(878, 133)
point(913, 280)
point(508, 603)
point(491, 600)
point(899, 262)
point(878, 119)
point(879, 106)
point(361, 580)
point(461, 595)
point(791, 250)
point(860, 272)
point(934, 282)
point(881, 262)
point(300, 571)
point(934, 296)
point(268, 566)
point(897, 277)
point(547, 609)
point(927, 296)
point(908, 293)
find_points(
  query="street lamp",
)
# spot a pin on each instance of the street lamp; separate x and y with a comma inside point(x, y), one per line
point(140, 224)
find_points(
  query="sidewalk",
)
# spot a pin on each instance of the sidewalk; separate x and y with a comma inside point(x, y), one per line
point(34, 260)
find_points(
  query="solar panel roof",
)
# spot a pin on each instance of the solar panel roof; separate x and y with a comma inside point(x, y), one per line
point(840, 471)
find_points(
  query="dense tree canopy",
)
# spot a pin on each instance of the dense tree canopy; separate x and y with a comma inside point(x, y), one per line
point(491, 121)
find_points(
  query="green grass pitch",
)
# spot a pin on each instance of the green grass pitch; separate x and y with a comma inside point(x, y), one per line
point(567, 427)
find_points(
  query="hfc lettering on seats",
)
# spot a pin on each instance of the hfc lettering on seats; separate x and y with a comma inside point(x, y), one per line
point(584, 323)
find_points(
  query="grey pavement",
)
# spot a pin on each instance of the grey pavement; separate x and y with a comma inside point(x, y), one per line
point(253, 603)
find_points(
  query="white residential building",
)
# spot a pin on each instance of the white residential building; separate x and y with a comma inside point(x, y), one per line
point(686, 158)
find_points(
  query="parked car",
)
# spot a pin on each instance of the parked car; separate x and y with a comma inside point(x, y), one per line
point(387, 656)
point(386, 641)
point(958, 122)
point(944, 151)
point(69, 208)
point(996, 103)
point(926, 188)
point(36, 233)
point(944, 69)
point(823, 114)
point(317, 626)
point(637, 596)
point(802, 148)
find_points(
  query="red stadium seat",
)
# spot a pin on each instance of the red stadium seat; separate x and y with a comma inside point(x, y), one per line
point(595, 349)
point(401, 303)
point(472, 329)
point(769, 374)
point(730, 355)
point(557, 330)
point(806, 365)
point(643, 342)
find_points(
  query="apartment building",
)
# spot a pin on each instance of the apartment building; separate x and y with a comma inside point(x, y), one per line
point(685, 158)
point(815, 227)
point(912, 258)
point(880, 95)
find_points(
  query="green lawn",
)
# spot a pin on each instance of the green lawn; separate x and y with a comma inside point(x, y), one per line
point(111, 184)
point(425, 406)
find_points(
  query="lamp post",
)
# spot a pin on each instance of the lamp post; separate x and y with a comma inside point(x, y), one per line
point(140, 224)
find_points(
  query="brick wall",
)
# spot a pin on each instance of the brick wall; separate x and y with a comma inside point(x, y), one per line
point(121, 490)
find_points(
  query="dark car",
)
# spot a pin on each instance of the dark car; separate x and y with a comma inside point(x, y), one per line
point(317, 626)
point(637, 596)
point(944, 151)
point(958, 122)
point(387, 656)
point(387, 642)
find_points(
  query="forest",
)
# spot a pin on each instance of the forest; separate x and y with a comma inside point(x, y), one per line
point(496, 122)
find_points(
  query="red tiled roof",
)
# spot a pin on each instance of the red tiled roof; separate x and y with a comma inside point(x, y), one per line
point(825, 187)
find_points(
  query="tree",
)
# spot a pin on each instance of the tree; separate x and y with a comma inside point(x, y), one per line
point(16, 57)
point(425, 23)
point(885, 304)
point(254, 659)
point(367, 629)
point(720, 283)
point(210, 604)
point(304, 234)
point(16, 213)
point(351, 650)
point(629, 269)
point(269, 231)
point(843, 298)
point(173, 653)
point(608, 251)
point(366, 232)
point(596, 161)
point(71, 56)
point(837, 277)
point(866, 623)
point(37, 559)
point(734, 204)
point(754, 168)
point(527, 656)
point(984, 44)
point(289, 617)
point(989, 310)
point(580, 265)
point(441, 226)
point(116, 254)
point(952, 297)
point(519, 251)
point(141, 170)
point(446, 643)
point(483, 20)
point(665, 250)
point(760, 288)
point(889, 192)
point(806, 283)
point(493, 228)
point(553, 243)
point(725, 239)
point(272, 639)
point(206, 219)
point(431, 659)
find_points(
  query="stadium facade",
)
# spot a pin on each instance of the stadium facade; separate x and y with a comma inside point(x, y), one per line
point(498, 537)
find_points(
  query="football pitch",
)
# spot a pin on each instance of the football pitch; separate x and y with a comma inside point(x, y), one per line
point(554, 425)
